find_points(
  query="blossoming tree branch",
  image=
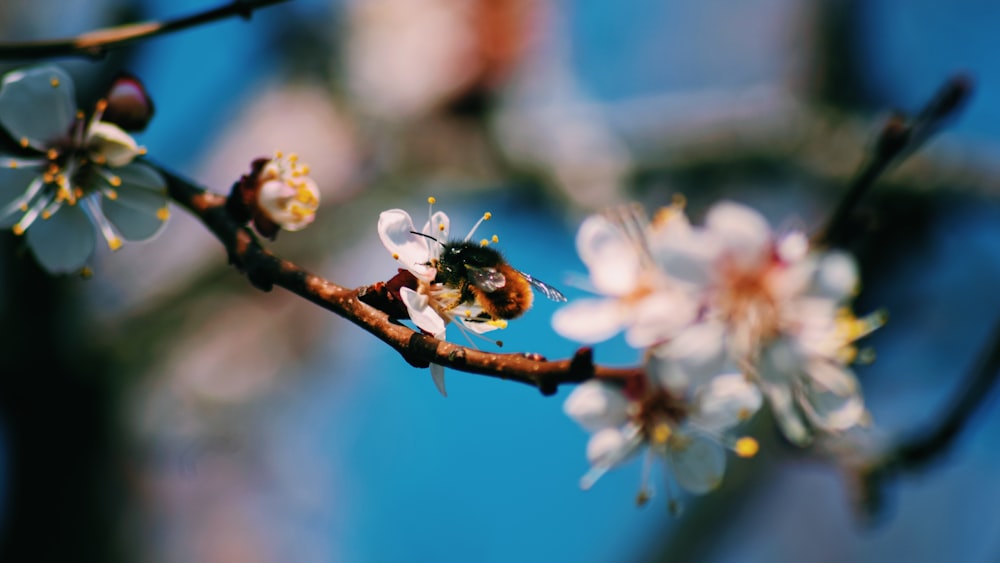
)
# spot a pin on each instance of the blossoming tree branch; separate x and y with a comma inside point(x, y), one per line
point(726, 316)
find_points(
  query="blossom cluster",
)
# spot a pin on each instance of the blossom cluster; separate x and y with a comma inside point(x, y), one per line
point(727, 313)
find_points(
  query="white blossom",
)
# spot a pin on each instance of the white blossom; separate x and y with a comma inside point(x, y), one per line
point(71, 172)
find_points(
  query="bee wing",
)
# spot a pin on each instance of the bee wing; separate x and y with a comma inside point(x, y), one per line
point(486, 279)
point(546, 289)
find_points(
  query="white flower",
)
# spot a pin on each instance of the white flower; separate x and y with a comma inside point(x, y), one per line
point(288, 196)
point(772, 307)
point(639, 298)
point(431, 305)
point(689, 432)
point(73, 173)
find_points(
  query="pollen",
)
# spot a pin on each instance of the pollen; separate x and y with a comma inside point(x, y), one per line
point(115, 181)
point(661, 433)
point(101, 105)
point(441, 227)
point(12, 164)
point(746, 447)
point(487, 216)
point(495, 239)
point(114, 243)
point(499, 323)
point(86, 273)
point(432, 200)
point(79, 114)
point(484, 242)
point(46, 214)
point(23, 207)
point(293, 158)
point(54, 82)
point(52, 154)
point(18, 229)
point(163, 214)
point(111, 194)
point(142, 151)
point(395, 256)
point(24, 142)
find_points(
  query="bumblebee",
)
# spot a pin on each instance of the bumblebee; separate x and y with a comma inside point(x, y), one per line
point(481, 274)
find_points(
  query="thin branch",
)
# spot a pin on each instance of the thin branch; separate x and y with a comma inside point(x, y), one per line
point(97, 43)
point(266, 270)
point(897, 139)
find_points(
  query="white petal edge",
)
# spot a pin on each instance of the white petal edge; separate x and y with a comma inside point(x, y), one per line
point(699, 464)
point(724, 402)
point(595, 406)
point(610, 256)
point(395, 229)
point(589, 320)
point(421, 313)
point(437, 373)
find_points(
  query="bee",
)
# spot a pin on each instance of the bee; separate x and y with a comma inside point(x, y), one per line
point(481, 274)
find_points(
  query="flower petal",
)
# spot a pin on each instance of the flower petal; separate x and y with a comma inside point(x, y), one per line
point(744, 233)
point(13, 184)
point(693, 357)
point(438, 226)
point(610, 256)
point(64, 242)
point(589, 320)
point(724, 402)
point(421, 313)
point(658, 317)
point(595, 405)
point(698, 462)
point(689, 258)
point(787, 414)
point(437, 373)
point(37, 104)
point(139, 209)
point(781, 362)
point(837, 276)
point(832, 406)
point(109, 141)
point(395, 229)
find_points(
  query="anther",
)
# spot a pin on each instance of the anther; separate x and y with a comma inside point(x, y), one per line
point(54, 82)
point(163, 214)
point(495, 239)
point(746, 447)
point(432, 200)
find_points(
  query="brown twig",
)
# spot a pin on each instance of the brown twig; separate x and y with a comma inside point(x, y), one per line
point(897, 139)
point(97, 43)
point(265, 270)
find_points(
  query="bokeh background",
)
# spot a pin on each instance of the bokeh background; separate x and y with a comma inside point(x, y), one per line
point(166, 411)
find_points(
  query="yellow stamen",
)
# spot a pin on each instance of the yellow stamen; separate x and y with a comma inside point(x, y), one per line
point(484, 242)
point(304, 170)
point(142, 151)
point(52, 154)
point(495, 239)
point(115, 181)
point(18, 229)
point(163, 214)
point(23, 207)
point(432, 200)
point(661, 433)
point(101, 105)
point(54, 82)
point(747, 447)
point(395, 256)
point(111, 194)
point(79, 114)
point(441, 227)
point(487, 216)
point(114, 243)
point(24, 142)
point(499, 323)
point(86, 273)
point(46, 214)
point(293, 158)
point(12, 164)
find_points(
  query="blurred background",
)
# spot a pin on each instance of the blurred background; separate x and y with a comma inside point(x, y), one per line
point(166, 411)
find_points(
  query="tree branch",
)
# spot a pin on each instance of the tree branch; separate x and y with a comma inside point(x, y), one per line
point(265, 270)
point(97, 43)
point(897, 139)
